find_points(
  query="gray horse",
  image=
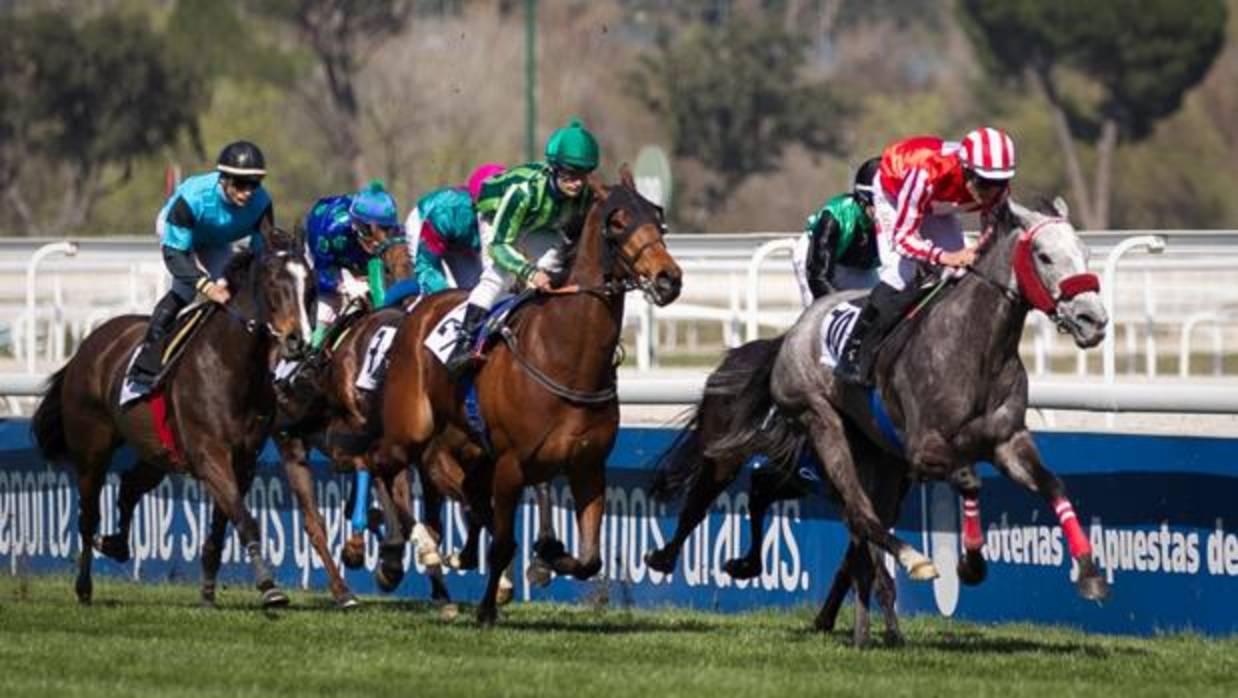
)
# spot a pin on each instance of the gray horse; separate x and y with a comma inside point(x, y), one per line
point(952, 383)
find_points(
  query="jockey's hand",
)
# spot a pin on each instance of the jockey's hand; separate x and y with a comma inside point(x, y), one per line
point(217, 292)
point(540, 280)
point(959, 258)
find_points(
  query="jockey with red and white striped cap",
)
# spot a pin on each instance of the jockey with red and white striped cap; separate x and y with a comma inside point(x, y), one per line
point(923, 184)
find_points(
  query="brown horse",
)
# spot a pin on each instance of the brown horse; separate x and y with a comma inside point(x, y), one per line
point(217, 400)
point(547, 392)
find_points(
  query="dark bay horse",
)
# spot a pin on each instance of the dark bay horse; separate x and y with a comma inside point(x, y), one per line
point(546, 392)
point(217, 400)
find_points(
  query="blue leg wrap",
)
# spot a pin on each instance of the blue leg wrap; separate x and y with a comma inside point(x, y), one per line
point(361, 501)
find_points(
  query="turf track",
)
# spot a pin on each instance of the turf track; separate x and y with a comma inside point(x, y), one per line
point(154, 640)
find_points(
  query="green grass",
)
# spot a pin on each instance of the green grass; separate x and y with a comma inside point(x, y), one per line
point(154, 640)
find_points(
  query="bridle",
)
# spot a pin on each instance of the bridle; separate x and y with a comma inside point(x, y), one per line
point(1031, 289)
point(618, 198)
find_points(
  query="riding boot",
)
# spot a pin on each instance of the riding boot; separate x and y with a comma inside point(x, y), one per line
point(150, 357)
point(462, 353)
point(884, 309)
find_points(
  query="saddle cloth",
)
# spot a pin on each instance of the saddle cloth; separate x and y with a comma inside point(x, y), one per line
point(836, 328)
point(442, 338)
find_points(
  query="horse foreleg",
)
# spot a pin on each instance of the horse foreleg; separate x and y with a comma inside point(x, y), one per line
point(1019, 459)
point(833, 448)
point(301, 480)
point(972, 568)
point(134, 484)
point(589, 491)
point(212, 554)
point(547, 545)
point(507, 483)
point(704, 490)
point(427, 534)
point(228, 479)
point(89, 488)
point(768, 486)
point(839, 588)
point(390, 571)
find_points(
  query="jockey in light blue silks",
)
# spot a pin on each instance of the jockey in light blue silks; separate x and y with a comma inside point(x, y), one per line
point(445, 235)
point(196, 227)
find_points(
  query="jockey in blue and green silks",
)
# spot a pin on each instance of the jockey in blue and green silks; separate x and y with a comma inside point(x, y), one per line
point(342, 233)
point(197, 227)
point(529, 206)
point(445, 236)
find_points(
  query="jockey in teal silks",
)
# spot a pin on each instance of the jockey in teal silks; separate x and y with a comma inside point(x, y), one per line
point(342, 233)
point(528, 206)
point(838, 251)
point(197, 227)
point(445, 235)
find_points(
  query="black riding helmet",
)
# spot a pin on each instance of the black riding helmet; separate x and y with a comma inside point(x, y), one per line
point(862, 185)
point(242, 159)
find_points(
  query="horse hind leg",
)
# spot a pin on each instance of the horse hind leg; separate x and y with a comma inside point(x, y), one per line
point(701, 495)
point(89, 488)
point(390, 570)
point(134, 484)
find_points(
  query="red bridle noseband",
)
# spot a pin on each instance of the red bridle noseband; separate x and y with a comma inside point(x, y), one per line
point(1030, 285)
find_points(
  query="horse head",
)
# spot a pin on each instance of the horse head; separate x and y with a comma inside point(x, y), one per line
point(633, 229)
point(391, 246)
point(1051, 269)
point(283, 288)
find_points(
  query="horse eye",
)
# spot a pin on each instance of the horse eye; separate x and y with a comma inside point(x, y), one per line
point(1044, 258)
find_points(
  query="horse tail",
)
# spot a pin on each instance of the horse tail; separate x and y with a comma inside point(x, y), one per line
point(681, 463)
point(744, 370)
point(743, 392)
point(47, 424)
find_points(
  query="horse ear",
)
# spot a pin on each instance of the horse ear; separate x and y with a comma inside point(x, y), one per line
point(625, 176)
point(595, 183)
point(1059, 205)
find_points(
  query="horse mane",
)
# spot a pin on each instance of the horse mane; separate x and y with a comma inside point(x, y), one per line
point(237, 270)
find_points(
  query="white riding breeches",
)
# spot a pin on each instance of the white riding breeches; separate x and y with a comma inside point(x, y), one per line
point(844, 278)
point(944, 230)
point(495, 283)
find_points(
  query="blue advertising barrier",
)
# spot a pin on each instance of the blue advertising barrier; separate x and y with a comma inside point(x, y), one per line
point(1162, 513)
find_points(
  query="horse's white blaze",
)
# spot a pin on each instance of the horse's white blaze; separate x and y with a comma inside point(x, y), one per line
point(300, 273)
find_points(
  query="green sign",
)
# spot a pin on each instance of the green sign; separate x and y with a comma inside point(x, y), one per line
point(652, 172)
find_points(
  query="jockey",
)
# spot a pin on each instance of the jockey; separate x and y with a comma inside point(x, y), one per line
point(533, 204)
point(444, 226)
point(922, 185)
point(838, 250)
point(342, 234)
point(196, 227)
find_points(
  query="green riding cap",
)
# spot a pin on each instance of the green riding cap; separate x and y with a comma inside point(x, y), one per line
point(573, 146)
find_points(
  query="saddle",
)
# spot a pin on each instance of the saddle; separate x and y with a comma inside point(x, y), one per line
point(186, 327)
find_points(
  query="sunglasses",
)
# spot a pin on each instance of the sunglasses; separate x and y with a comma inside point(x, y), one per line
point(246, 184)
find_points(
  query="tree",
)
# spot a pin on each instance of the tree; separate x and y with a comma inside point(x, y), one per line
point(734, 100)
point(1108, 70)
point(92, 100)
point(342, 34)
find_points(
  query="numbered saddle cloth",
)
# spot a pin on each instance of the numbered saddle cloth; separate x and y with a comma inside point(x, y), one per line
point(836, 329)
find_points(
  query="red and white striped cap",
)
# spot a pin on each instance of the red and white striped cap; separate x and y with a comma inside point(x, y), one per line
point(989, 152)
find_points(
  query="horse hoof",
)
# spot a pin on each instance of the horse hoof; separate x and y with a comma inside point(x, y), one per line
point(538, 574)
point(274, 598)
point(114, 547)
point(549, 549)
point(893, 638)
point(972, 568)
point(661, 560)
point(487, 617)
point(388, 578)
point(353, 554)
point(347, 601)
point(823, 625)
point(741, 568)
point(1091, 585)
point(374, 521)
point(448, 612)
point(923, 571)
point(503, 596)
point(84, 590)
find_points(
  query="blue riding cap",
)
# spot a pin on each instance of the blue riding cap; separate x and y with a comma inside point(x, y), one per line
point(374, 205)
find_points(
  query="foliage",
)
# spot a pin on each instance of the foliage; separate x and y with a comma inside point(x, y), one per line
point(734, 99)
point(153, 640)
point(107, 94)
